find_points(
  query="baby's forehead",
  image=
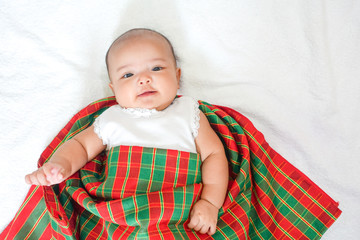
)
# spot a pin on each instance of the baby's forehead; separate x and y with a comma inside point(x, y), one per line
point(140, 36)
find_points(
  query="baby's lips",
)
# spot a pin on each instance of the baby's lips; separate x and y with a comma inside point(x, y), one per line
point(146, 91)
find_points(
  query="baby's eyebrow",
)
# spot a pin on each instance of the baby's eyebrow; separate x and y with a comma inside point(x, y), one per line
point(158, 59)
point(121, 67)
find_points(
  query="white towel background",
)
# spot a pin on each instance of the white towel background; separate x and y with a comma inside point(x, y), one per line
point(291, 67)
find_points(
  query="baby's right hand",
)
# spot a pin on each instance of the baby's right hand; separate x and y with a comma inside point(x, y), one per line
point(48, 174)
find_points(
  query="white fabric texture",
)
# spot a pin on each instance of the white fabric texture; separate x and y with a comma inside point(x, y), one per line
point(172, 128)
point(291, 67)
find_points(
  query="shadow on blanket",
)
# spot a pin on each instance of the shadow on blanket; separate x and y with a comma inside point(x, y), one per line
point(136, 192)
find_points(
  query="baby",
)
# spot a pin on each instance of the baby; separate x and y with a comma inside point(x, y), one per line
point(144, 78)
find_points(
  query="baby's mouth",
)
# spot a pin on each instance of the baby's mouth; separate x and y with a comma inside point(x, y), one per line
point(146, 93)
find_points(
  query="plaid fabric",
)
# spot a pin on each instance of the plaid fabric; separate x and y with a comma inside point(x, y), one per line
point(147, 193)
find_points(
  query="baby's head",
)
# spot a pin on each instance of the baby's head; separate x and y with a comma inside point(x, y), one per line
point(142, 69)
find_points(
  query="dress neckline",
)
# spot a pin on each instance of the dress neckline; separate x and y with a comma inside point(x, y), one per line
point(140, 112)
point(145, 112)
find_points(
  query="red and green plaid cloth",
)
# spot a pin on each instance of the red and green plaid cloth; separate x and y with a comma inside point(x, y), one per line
point(147, 193)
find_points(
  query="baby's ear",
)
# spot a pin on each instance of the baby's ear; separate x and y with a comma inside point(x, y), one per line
point(178, 76)
point(111, 87)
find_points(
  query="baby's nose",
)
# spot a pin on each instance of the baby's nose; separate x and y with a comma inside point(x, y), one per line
point(144, 80)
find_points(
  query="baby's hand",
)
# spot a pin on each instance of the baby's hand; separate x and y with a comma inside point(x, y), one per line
point(203, 217)
point(48, 174)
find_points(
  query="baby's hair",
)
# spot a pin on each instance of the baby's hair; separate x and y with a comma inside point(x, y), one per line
point(132, 31)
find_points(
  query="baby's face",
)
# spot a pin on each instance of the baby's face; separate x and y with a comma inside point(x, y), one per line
point(143, 73)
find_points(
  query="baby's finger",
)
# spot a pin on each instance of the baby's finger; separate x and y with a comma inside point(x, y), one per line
point(50, 173)
point(204, 229)
point(27, 179)
point(33, 179)
point(42, 179)
point(212, 230)
point(199, 226)
point(55, 174)
point(48, 170)
point(194, 221)
point(59, 177)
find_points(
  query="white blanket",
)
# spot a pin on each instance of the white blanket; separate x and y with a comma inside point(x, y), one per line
point(291, 67)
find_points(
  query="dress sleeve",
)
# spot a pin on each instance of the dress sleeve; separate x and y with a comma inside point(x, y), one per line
point(99, 126)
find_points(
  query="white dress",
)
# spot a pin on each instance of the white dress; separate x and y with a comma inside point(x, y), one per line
point(175, 127)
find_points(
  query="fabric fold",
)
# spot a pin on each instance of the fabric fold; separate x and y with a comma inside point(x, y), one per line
point(147, 193)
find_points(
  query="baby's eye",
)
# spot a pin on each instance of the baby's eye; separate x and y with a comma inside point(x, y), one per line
point(157, 69)
point(127, 75)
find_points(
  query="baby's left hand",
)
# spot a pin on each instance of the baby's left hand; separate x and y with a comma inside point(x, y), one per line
point(203, 217)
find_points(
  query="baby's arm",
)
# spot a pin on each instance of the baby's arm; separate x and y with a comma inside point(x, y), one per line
point(69, 158)
point(215, 176)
